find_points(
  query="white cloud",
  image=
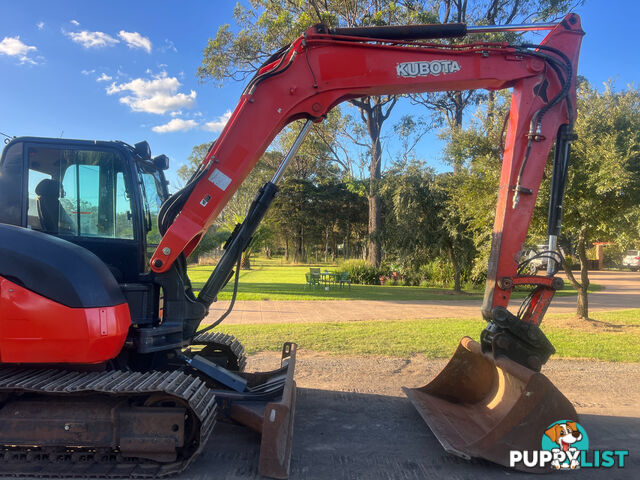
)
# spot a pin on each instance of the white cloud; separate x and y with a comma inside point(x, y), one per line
point(14, 47)
point(157, 95)
point(88, 72)
point(93, 39)
point(176, 113)
point(135, 40)
point(168, 46)
point(40, 25)
point(175, 125)
point(75, 22)
point(218, 124)
point(104, 78)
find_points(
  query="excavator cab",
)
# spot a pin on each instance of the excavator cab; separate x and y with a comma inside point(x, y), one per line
point(79, 224)
point(103, 196)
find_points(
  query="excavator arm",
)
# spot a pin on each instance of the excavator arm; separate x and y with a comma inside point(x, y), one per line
point(323, 68)
point(490, 395)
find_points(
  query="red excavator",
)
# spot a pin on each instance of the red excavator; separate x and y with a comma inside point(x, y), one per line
point(105, 370)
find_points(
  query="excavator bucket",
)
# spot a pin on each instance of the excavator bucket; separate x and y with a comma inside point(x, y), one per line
point(479, 407)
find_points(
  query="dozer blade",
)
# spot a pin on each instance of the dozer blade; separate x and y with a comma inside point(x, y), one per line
point(480, 407)
point(272, 418)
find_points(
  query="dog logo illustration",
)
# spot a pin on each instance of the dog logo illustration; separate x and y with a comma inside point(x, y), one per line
point(566, 440)
point(565, 446)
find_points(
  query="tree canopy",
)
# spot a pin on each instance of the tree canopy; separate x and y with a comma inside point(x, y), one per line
point(603, 187)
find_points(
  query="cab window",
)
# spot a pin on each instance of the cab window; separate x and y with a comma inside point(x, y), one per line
point(11, 184)
point(153, 195)
point(79, 192)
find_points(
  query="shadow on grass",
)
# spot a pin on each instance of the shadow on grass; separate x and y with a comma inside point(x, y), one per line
point(293, 291)
point(296, 291)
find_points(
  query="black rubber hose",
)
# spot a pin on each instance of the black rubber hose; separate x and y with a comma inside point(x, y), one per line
point(405, 32)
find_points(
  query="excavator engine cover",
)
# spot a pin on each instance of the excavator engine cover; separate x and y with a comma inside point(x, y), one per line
point(479, 407)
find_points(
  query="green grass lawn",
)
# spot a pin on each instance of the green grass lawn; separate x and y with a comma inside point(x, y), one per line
point(436, 338)
point(269, 280)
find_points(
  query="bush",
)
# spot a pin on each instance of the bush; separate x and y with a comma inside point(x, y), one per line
point(478, 275)
point(438, 273)
point(573, 262)
point(363, 272)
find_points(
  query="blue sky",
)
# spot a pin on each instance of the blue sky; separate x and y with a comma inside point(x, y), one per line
point(127, 70)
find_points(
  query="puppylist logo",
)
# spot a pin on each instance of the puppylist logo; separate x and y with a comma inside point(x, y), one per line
point(565, 446)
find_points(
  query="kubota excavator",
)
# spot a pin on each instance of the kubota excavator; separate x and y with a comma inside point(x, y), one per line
point(105, 370)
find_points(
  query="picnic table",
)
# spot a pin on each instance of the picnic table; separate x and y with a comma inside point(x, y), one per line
point(329, 278)
point(316, 277)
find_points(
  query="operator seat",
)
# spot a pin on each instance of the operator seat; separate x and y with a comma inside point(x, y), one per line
point(50, 211)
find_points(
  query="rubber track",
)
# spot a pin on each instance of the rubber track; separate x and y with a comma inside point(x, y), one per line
point(54, 462)
point(228, 344)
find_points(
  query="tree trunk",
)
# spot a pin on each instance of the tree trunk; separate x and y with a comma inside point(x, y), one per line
point(298, 253)
point(459, 105)
point(334, 247)
point(303, 251)
point(326, 246)
point(375, 174)
point(583, 299)
point(457, 286)
point(373, 115)
point(491, 105)
point(286, 249)
point(582, 286)
point(346, 242)
point(245, 263)
point(375, 250)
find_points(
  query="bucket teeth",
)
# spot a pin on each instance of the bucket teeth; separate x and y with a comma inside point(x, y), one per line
point(478, 407)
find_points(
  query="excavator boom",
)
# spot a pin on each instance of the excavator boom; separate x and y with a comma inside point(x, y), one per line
point(489, 396)
point(320, 70)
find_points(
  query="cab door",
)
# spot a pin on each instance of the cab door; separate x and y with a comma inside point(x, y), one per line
point(86, 196)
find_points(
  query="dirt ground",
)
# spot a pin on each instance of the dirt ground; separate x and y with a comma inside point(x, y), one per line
point(353, 423)
point(594, 387)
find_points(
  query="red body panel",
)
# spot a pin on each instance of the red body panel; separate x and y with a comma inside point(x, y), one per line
point(34, 329)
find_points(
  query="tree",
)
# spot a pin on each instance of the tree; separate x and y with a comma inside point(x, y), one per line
point(455, 238)
point(420, 202)
point(236, 209)
point(411, 223)
point(211, 240)
point(471, 190)
point(603, 188)
point(450, 106)
point(293, 215)
point(194, 160)
point(269, 24)
point(318, 157)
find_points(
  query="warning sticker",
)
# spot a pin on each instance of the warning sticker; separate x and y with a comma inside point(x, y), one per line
point(219, 179)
